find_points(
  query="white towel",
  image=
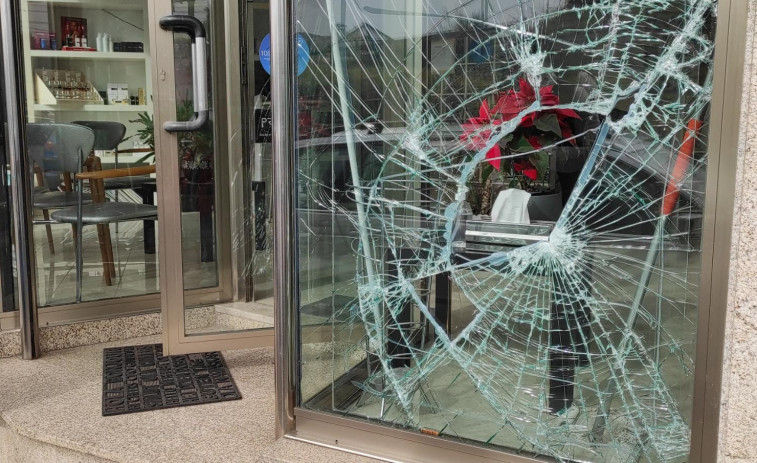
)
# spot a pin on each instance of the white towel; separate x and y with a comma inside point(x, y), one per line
point(511, 206)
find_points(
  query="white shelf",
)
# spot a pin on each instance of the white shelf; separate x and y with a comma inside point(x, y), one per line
point(109, 4)
point(132, 69)
point(92, 108)
point(95, 55)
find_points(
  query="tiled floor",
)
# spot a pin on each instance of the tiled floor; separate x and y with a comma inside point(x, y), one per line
point(56, 400)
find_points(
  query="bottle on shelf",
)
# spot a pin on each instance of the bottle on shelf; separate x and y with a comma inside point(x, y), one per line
point(77, 36)
point(110, 44)
point(56, 84)
point(68, 41)
point(100, 41)
point(66, 92)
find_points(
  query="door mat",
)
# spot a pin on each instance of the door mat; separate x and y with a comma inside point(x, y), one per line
point(140, 378)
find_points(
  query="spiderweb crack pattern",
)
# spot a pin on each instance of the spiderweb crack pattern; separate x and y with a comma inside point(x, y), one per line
point(648, 67)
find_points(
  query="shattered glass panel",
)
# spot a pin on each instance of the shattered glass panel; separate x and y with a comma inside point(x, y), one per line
point(500, 212)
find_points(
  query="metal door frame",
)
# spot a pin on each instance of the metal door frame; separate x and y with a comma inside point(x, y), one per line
point(15, 126)
point(362, 437)
point(227, 141)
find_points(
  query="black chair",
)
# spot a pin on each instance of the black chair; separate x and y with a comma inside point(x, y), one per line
point(72, 145)
point(54, 189)
point(108, 135)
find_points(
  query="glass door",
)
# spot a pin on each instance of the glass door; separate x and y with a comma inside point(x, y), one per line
point(258, 119)
point(197, 162)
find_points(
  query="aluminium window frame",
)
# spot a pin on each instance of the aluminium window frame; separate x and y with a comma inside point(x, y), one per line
point(361, 437)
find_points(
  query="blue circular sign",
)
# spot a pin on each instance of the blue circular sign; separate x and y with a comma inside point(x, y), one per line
point(303, 54)
point(265, 53)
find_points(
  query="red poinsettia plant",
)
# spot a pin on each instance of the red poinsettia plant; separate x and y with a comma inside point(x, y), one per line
point(536, 130)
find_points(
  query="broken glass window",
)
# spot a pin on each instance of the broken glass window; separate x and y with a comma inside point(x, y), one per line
point(500, 212)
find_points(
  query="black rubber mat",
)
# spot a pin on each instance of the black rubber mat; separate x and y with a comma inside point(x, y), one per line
point(140, 378)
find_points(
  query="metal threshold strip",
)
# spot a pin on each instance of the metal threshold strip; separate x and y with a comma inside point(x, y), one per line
point(391, 444)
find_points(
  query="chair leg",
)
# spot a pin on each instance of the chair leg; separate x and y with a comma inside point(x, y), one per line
point(101, 238)
point(49, 230)
point(75, 234)
point(79, 263)
point(109, 249)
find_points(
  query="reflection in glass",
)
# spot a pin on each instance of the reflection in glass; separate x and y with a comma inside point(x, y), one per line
point(260, 168)
point(73, 80)
point(196, 157)
point(500, 212)
point(211, 238)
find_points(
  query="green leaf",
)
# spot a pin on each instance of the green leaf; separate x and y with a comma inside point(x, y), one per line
point(486, 171)
point(545, 140)
point(521, 145)
point(540, 160)
point(145, 157)
point(549, 123)
point(146, 134)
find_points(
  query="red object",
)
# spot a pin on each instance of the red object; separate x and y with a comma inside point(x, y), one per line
point(514, 102)
point(478, 130)
point(681, 167)
point(476, 135)
point(72, 29)
point(524, 167)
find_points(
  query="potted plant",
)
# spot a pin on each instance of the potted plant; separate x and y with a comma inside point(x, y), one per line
point(195, 151)
point(525, 158)
point(196, 157)
point(146, 134)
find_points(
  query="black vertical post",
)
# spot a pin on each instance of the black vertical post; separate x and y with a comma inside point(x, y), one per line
point(398, 330)
point(443, 306)
point(7, 287)
point(147, 192)
point(258, 194)
point(15, 130)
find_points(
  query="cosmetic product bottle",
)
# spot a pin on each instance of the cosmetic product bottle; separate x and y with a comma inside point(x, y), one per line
point(99, 41)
